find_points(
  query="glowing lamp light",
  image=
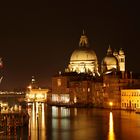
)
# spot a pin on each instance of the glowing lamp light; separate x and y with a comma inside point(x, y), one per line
point(110, 103)
point(29, 87)
point(67, 100)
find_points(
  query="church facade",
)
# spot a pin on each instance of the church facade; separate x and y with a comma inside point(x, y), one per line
point(84, 84)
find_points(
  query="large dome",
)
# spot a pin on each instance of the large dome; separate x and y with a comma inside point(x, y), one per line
point(83, 59)
point(83, 54)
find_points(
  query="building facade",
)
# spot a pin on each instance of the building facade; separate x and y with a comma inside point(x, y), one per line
point(84, 84)
point(35, 93)
point(130, 99)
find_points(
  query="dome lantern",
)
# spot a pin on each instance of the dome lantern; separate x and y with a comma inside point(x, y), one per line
point(109, 51)
point(83, 40)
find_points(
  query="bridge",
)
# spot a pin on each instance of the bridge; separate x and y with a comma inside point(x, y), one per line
point(6, 94)
point(12, 97)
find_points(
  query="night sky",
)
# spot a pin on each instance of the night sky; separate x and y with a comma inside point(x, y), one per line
point(38, 38)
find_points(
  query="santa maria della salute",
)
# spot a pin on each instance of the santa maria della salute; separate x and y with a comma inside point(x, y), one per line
point(84, 60)
point(87, 82)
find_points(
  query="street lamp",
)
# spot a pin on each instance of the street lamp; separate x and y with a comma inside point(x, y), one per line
point(111, 104)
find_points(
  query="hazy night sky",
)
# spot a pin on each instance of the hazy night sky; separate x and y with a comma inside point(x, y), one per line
point(38, 38)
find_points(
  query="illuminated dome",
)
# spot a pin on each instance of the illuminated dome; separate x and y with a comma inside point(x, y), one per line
point(109, 62)
point(115, 53)
point(121, 52)
point(83, 59)
point(83, 54)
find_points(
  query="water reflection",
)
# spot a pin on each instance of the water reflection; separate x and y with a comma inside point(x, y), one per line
point(37, 126)
point(111, 134)
point(60, 123)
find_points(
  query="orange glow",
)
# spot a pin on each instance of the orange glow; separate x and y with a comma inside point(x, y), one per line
point(110, 103)
point(29, 87)
point(111, 134)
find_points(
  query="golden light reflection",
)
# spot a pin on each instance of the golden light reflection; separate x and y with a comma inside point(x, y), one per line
point(111, 134)
point(75, 111)
point(43, 123)
point(37, 127)
point(62, 114)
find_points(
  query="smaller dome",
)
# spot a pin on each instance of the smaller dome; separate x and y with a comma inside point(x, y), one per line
point(109, 62)
point(115, 53)
point(121, 52)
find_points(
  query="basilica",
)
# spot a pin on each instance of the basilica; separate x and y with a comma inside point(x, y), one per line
point(84, 59)
point(88, 82)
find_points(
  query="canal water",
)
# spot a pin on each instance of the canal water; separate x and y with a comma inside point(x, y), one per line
point(60, 123)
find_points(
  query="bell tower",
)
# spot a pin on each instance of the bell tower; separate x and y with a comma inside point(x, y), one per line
point(121, 58)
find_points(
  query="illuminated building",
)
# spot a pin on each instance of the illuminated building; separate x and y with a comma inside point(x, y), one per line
point(35, 93)
point(84, 84)
point(39, 95)
point(130, 99)
point(72, 89)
